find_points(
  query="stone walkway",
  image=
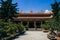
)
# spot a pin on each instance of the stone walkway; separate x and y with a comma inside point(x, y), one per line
point(33, 35)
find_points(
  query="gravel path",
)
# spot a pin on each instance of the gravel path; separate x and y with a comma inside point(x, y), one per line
point(33, 35)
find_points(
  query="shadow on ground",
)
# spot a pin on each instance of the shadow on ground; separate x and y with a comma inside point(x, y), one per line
point(17, 36)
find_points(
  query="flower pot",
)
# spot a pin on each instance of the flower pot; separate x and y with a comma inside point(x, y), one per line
point(57, 38)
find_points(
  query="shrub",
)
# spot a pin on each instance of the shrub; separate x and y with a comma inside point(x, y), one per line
point(45, 26)
point(56, 26)
point(21, 27)
point(10, 28)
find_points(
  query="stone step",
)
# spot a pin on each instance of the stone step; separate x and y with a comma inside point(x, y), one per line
point(34, 29)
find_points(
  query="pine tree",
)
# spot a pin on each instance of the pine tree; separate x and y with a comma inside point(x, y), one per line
point(55, 9)
point(8, 10)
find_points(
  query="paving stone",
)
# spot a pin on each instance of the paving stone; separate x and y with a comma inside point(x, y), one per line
point(33, 35)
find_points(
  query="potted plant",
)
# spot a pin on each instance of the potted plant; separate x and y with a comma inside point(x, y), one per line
point(45, 27)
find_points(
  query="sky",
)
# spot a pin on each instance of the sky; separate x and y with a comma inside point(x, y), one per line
point(34, 5)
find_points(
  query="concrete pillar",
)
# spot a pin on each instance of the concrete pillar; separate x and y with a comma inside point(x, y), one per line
point(21, 23)
point(28, 24)
point(41, 24)
point(35, 25)
point(27, 28)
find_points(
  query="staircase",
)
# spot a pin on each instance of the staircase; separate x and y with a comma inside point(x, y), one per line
point(34, 29)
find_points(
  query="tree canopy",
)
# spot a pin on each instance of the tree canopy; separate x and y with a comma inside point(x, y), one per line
point(55, 9)
point(7, 9)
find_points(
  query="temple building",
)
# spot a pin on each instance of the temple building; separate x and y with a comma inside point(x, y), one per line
point(32, 19)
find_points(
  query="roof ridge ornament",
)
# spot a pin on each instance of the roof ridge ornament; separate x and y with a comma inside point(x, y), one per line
point(31, 12)
point(21, 12)
point(41, 11)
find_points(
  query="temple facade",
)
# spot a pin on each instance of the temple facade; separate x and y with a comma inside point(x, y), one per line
point(33, 20)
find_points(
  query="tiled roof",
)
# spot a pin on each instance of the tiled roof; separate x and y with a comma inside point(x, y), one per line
point(22, 16)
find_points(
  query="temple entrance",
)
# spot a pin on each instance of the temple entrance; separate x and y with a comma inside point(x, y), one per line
point(31, 24)
point(38, 24)
point(34, 25)
point(24, 23)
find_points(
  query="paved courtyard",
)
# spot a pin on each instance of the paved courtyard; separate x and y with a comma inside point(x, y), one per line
point(33, 35)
